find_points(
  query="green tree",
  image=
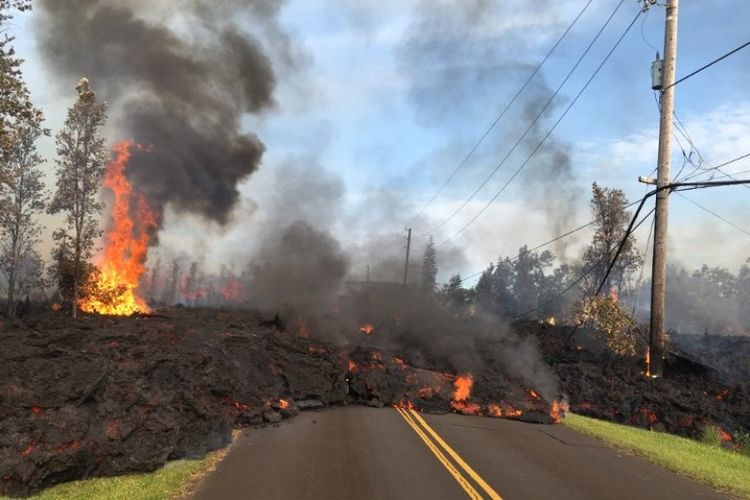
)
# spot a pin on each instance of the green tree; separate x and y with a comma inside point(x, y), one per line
point(81, 161)
point(429, 267)
point(455, 295)
point(22, 198)
point(612, 219)
point(529, 277)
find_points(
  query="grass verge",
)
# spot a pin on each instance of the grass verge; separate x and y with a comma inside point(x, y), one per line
point(176, 479)
point(723, 469)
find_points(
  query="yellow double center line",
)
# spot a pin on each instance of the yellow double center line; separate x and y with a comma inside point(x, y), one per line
point(418, 424)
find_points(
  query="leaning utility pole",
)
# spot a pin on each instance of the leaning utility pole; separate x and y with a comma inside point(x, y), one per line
point(657, 341)
point(408, 247)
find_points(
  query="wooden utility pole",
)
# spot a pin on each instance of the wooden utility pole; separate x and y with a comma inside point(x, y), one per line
point(657, 341)
point(406, 264)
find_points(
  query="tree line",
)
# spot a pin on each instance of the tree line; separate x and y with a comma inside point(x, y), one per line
point(79, 166)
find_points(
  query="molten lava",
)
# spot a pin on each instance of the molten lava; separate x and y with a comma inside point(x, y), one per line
point(113, 290)
point(367, 329)
point(461, 394)
point(558, 411)
point(462, 385)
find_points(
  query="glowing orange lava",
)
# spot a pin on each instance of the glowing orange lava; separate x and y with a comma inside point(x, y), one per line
point(462, 386)
point(113, 291)
point(283, 404)
point(558, 410)
point(461, 393)
point(367, 329)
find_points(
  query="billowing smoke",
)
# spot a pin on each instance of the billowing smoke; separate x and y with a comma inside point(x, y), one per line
point(180, 79)
point(464, 60)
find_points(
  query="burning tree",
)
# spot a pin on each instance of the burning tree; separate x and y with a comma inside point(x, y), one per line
point(80, 166)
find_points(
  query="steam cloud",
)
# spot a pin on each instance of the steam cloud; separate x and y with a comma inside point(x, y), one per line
point(184, 95)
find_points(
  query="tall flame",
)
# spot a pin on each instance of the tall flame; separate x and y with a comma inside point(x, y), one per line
point(113, 291)
point(462, 386)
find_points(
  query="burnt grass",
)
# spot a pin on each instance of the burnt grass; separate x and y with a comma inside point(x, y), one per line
point(101, 396)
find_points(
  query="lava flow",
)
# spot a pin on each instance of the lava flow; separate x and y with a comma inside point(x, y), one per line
point(461, 395)
point(113, 290)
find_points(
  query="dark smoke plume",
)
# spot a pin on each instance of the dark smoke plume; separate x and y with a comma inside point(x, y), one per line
point(183, 91)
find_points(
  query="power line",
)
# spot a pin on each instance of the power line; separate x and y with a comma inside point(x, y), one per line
point(706, 66)
point(547, 135)
point(502, 113)
point(533, 122)
point(553, 240)
point(643, 267)
point(715, 214)
point(679, 186)
point(720, 166)
point(590, 269)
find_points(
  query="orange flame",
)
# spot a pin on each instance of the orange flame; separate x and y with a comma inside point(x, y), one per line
point(558, 410)
point(513, 412)
point(494, 410)
point(466, 408)
point(462, 385)
point(613, 296)
point(533, 394)
point(232, 289)
point(399, 362)
point(283, 404)
point(126, 243)
point(367, 329)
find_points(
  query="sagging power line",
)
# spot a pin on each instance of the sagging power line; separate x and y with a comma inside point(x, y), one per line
point(530, 127)
point(548, 134)
point(502, 113)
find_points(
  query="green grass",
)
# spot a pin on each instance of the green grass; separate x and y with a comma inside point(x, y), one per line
point(174, 480)
point(723, 469)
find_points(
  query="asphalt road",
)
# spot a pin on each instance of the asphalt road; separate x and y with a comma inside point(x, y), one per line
point(362, 453)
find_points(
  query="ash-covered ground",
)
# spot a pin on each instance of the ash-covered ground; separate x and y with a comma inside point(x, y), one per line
point(109, 395)
point(103, 395)
point(602, 385)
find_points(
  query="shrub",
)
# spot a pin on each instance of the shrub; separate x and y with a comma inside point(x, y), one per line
point(711, 435)
point(611, 321)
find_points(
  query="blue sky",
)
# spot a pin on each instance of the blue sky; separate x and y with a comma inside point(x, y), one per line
point(388, 97)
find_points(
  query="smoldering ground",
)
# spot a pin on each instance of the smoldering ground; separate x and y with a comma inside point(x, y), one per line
point(304, 266)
